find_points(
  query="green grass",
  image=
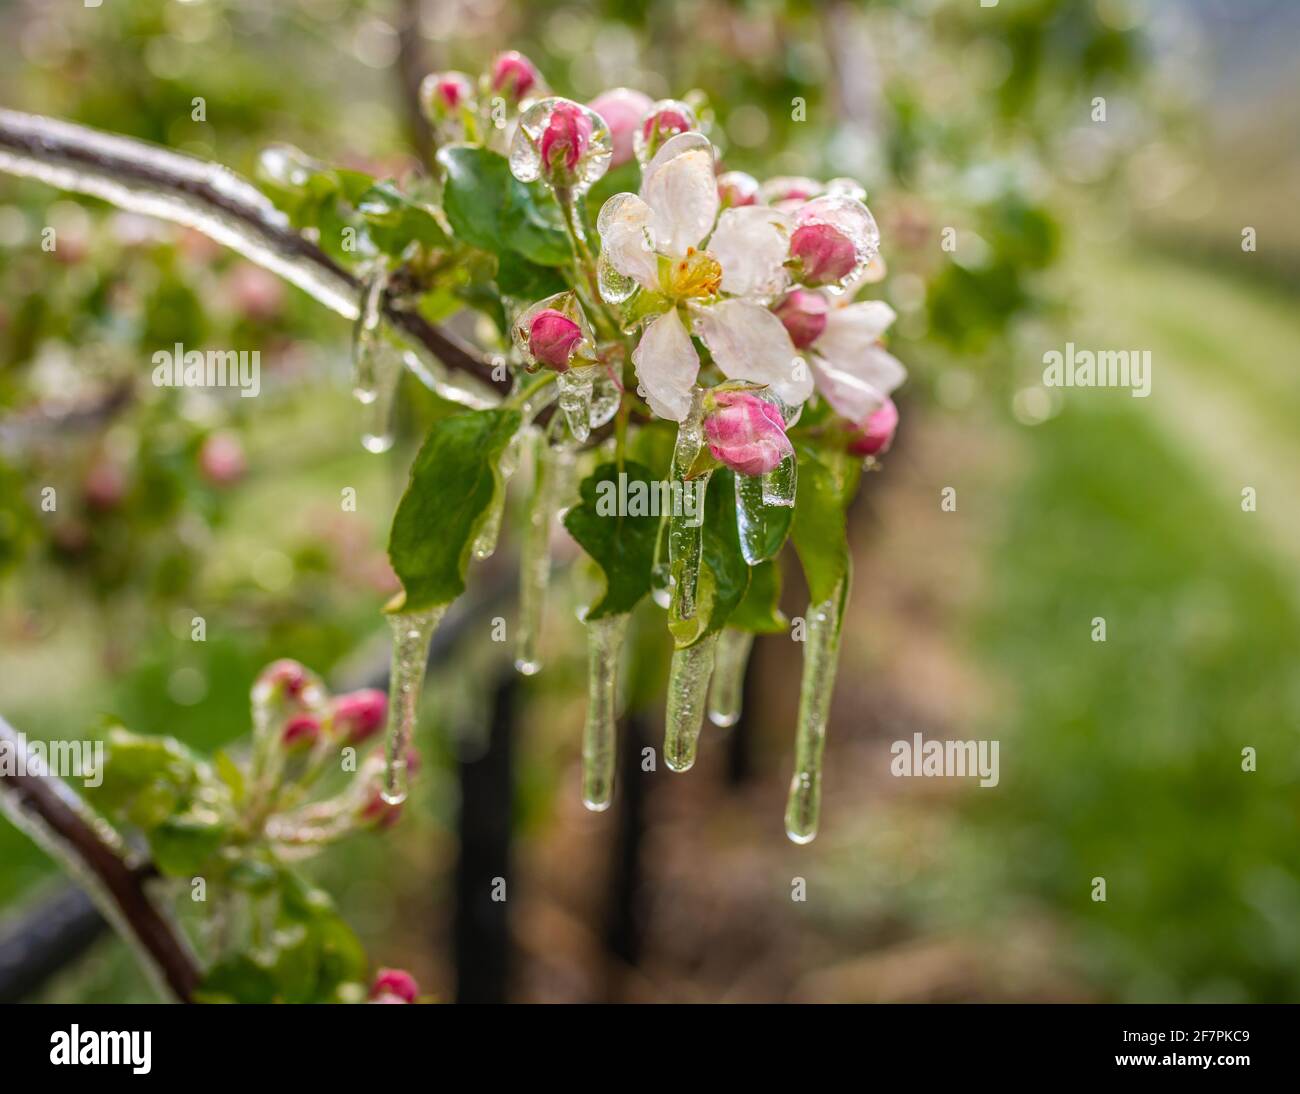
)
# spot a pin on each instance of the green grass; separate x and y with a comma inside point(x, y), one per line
point(1123, 759)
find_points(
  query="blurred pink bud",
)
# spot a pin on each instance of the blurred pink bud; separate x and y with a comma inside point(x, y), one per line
point(105, 485)
point(446, 92)
point(565, 139)
point(513, 75)
point(300, 731)
point(746, 433)
point(221, 459)
point(257, 293)
point(359, 715)
point(377, 812)
point(827, 254)
point(736, 188)
point(394, 986)
point(622, 108)
point(876, 434)
point(804, 315)
point(552, 338)
point(285, 676)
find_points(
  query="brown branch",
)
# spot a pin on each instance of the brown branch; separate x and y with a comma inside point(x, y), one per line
point(49, 811)
point(213, 200)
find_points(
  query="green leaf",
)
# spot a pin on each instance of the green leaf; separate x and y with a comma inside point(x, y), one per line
point(183, 844)
point(394, 220)
point(760, 611)
point(232, 775)
point(724, 574)
point(452, 485)
point(145, 779)
point(489, 208)
point(239, 978)
point(622, 545)
point(819, 532)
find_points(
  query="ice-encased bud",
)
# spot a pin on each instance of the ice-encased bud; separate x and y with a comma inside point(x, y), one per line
point(834, 238)
point(737, 188)
point(443, 94)
point(745, 432)
point(663, 121)
point(563, 143)
point(874, 436)
point(553, 332)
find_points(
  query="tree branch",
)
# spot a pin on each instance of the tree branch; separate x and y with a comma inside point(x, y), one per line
point(45, 808)
point(213, 200)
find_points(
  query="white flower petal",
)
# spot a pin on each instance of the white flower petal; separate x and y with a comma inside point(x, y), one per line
point(748, 342)
point(625, 244)
point(752, 243)
point(666, 366)
point(680, 188)
point(858, 387)
point(853, 329)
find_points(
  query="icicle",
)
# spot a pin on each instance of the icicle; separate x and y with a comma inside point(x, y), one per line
point(688, 684)
point(684, 537)
point(599, 744)
point(577, 387)
point(779, 483)
point(485, 544)
point(750, 522)
point(606, 396)
point(412, 632)
point(376, 366)
point(820, 655)
point(728, 687)
point(550, 471)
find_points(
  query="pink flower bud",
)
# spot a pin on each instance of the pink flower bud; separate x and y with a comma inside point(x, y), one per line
point(513, 75)
point(746, 433)
point(394, 986)
point(444, 93)
point(221, 459)
point(359, 715)
point(377, 812)
point(827, 255)
point(665, 123)
point(622, 108)
point(804, 316)
point(105, 485)
point(300, 731)
point(876, 434)
point(552, 338)
point(736, 188)
point(565, 139)
point(285, 677)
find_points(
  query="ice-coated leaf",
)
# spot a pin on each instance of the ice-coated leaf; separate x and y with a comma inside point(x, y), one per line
point(760, 611)
point(451, 489)
point(621, 542)
point(819, 531)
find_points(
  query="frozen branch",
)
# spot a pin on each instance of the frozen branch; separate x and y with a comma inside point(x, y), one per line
point(212, 199)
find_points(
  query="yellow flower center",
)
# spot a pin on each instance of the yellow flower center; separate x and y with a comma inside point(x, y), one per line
point(697, 273)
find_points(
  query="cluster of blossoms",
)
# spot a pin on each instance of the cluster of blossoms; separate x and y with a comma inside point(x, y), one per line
point(763, 275)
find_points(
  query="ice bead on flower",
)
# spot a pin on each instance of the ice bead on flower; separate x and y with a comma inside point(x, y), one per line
point(663, 121)
point(623, 110)
point(563, 143)
point(745, 432)
point(359, 715)
point(553, 332)
point(835, 236)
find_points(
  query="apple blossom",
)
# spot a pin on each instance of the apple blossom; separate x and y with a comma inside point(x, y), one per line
point(875, 434)
point(359, 715)
point(563, 143)
point(514, 76)
point(664, 120)
point(394, 986)
point(651, 241)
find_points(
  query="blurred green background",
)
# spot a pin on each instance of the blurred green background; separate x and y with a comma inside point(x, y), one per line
point(1120, 759)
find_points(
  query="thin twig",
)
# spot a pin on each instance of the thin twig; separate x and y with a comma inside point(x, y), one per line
point(62, 823)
